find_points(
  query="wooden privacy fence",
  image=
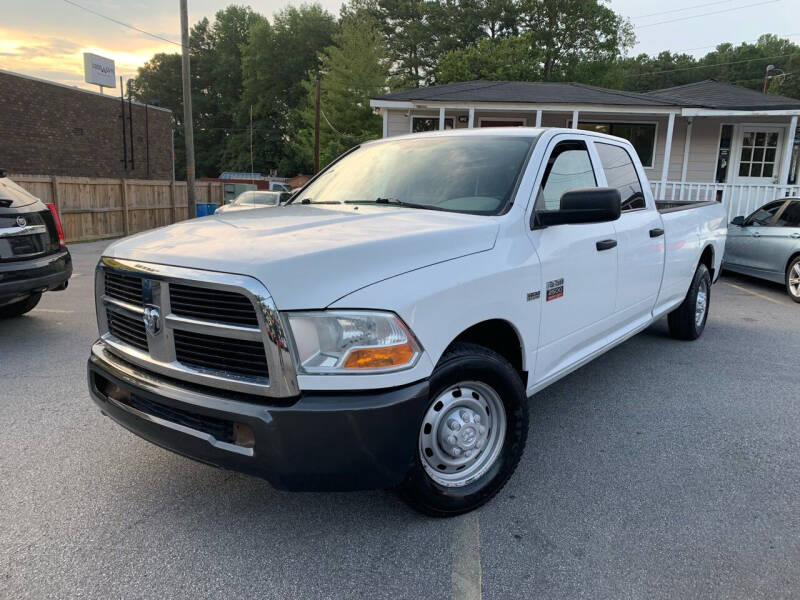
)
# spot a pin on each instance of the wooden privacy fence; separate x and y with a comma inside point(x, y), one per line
point(93, 208)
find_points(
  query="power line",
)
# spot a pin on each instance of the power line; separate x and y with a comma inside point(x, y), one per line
point(113, 20)
point(674, 10)
point(715, 12)
point(735, 62)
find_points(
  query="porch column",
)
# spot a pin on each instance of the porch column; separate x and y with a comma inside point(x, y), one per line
point(667, 151)
point(687, 142)
point(441, 118)
point(574, 119)
point(786, 158)
point(538, 118)
point(471, 122)
point(385, 114)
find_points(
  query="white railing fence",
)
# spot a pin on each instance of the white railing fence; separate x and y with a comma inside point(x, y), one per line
point(737, 199)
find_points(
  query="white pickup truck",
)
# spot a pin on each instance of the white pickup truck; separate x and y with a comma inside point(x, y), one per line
point(386, 328)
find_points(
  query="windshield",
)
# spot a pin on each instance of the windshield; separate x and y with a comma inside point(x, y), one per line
point(459, 174)
point(256, 198)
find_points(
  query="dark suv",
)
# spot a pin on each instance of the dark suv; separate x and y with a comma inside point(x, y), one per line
point(33, 255)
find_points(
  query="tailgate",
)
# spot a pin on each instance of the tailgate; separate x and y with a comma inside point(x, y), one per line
point(25, 235)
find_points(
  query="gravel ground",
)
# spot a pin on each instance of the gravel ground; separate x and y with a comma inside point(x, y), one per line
point(663, 469)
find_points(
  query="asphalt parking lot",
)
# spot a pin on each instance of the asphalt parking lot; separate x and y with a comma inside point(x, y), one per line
point(663, 469)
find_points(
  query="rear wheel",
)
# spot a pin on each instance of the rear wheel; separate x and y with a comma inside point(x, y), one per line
point(16, 309)
point(793, 279)
point(688, 321)
point(471, 437)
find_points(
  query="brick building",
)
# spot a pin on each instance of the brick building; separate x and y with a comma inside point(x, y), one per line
point(51, 129)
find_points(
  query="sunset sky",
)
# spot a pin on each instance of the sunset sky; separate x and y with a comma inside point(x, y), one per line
point(47, 38)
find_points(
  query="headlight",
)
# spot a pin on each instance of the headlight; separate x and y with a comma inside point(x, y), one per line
point(352, 341)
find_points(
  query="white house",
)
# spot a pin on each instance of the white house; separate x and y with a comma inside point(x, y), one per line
point(704, 141)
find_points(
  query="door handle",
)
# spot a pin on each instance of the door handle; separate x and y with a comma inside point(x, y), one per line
point(795, 235)
point(657, 232)
point(605, 244)
point(756, 234)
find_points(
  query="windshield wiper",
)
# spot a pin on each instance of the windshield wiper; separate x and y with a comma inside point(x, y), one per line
point(396, 202)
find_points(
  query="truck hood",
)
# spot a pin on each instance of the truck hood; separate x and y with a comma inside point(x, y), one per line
point(310, 256)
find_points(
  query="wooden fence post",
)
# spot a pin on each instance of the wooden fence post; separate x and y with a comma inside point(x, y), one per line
point(54, 183)
point(124, 187)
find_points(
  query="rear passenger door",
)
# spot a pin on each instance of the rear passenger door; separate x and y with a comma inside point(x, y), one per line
point(578, 287)
point(640, 234)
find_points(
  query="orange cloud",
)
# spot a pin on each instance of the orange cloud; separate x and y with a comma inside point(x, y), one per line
point(61, 60)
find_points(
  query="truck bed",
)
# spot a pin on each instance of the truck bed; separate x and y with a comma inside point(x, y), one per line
point(665, 206)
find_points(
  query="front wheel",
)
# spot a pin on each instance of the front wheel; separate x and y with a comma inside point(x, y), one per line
point(472, 435)
point(793, 279)
point(688, 321)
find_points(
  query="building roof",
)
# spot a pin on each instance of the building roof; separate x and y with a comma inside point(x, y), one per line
point(534, 92)
point(711, 93)
point(703, 94)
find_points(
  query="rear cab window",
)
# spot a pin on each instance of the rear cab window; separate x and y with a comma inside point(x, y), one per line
point(621, 174)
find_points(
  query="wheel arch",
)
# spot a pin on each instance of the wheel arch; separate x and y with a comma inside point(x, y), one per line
point(792, 256)
point(707, 258)
point(502, 337)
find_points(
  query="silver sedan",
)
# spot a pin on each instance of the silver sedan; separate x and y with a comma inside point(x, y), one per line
point(766, 244)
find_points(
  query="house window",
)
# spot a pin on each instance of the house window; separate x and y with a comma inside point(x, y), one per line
point(641, 135)
point(420, 124)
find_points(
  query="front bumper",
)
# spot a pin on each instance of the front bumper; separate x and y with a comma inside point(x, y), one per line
point(320, 441)
point(20, 278)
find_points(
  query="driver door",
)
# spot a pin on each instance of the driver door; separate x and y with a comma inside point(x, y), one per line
point(578, 284)
point(740, 246)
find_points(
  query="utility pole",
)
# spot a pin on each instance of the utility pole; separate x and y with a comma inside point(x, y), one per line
point(188, 130)
point(316, 129)
point(766, 77)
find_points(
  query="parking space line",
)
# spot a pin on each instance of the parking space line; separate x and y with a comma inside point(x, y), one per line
point(752, 293)
point(54, 310)
point(466, 549)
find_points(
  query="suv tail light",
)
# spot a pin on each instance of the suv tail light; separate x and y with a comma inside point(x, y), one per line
point(61, 241)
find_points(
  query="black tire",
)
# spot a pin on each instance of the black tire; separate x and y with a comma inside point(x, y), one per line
point(20, 308)
point(682, 321)
point(464, 362)
point(792, 265)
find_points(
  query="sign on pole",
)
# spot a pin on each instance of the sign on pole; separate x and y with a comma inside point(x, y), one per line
point(99, 70)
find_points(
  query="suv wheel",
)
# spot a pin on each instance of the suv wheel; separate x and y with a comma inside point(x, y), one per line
point(793, 279)
point(16, 309)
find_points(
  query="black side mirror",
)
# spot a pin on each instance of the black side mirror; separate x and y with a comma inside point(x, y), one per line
point(738, 221)
point(585, 205)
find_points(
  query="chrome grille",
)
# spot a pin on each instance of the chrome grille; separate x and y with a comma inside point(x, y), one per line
point(204, 327)
point(226, 307)
point(127, 288)
point(128, 329)
point(214, 352)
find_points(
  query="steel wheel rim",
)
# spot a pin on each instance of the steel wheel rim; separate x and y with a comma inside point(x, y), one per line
point(794, 280)
point(701, 304)
point(455, 448)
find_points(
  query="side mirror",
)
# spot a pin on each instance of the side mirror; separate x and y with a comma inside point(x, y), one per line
point(738, 221)
point(585, 205)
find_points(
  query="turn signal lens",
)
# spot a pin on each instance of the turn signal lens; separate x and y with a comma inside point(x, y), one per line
point(378, 358)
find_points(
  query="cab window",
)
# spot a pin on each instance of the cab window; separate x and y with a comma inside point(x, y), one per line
point(569, 167)
point(621, 174)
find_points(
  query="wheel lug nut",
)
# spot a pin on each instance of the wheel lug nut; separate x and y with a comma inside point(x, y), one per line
point(468, 453)
point(477, 418)
point(465, 416)
point(454, 425)
point(456, 451)
point(452, 440)
point(479, 444)
point(482, 428)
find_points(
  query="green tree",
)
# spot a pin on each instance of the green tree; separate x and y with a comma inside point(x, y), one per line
point(504, 59)
point(354, 69)
point(277, 59)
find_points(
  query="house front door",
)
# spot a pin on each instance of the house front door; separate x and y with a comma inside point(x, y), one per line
point(759, 155)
